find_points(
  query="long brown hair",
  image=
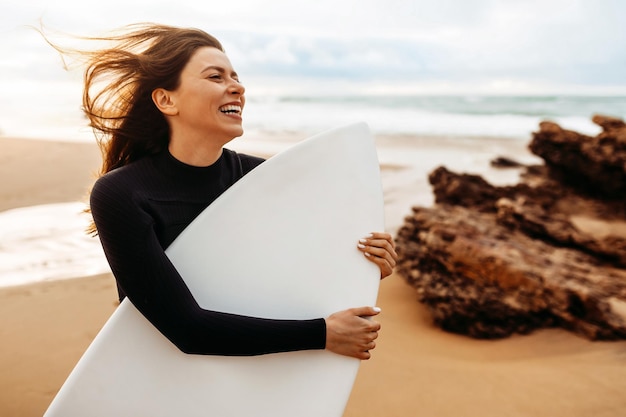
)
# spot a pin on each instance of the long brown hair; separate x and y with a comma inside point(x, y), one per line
point(118, 85)
point(147, 56)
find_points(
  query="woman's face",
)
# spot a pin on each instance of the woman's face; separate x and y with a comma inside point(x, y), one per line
point(209, 98)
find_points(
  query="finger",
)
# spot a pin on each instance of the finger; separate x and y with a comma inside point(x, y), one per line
point(382, 236)
point(380, 242)
point(363, 355)
point(385, 263)
point(382, 263)
point(380, 253)
point(388, 254)
point(383, 250)
point(389, 247)
point(365, 311)
point(378, 247)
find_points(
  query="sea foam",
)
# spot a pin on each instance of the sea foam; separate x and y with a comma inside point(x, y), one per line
point(47, 242)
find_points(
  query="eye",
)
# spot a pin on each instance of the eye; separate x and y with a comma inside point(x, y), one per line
point(215, 77)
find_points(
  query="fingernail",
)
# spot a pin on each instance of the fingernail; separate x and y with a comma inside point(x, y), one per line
point(377, 309)
point(362, 240)
point(367, 254)
point(361, 246)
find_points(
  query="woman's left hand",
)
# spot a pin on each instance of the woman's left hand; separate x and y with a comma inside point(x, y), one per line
point(380, 249)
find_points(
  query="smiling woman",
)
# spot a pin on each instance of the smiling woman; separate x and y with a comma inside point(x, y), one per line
point(207, 101)
point(163, 102)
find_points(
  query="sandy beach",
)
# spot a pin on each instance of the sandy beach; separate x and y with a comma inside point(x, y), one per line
point(416, 369)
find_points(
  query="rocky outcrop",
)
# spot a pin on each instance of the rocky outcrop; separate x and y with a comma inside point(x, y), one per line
point(593, 165)
point(491, 261)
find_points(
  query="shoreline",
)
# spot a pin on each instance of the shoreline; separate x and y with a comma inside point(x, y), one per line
point(48, 179)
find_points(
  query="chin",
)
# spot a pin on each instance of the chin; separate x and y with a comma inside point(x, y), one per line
point(233, 134)
point(238, 133)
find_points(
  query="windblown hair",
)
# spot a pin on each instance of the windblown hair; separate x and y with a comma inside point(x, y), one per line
point(118, 85)
point(127, 123)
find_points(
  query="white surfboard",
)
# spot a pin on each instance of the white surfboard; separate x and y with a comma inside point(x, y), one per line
point(280, 243)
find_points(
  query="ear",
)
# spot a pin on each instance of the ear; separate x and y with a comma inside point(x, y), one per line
point(164, 101)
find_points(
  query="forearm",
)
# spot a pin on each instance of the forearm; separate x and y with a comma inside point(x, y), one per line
point(152, 284)
point(214, 333)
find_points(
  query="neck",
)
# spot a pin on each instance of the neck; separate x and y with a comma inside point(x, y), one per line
point(199, 153)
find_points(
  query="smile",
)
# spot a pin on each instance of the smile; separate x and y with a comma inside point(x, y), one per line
point(230, 109)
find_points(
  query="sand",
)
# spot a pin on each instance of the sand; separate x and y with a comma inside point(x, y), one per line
point(43, 171)
point(416, 370)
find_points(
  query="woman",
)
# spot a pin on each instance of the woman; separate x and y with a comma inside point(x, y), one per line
point(164, 102)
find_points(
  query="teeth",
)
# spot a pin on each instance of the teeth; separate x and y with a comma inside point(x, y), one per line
point(231, 109)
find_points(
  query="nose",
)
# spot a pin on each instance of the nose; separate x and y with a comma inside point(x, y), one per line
point(236, 88)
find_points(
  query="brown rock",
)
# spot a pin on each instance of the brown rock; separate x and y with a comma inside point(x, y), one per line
point(491, 261)
point(594, 166)
point(480, 278)
point(504, 162)
point(608, 123)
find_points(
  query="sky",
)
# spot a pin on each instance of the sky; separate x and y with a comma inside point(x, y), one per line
point(404, 47)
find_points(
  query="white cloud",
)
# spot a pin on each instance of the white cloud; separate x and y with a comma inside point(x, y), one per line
point(488, 42)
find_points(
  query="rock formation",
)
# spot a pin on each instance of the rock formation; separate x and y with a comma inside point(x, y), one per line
point(593, 165)
point(490, 261)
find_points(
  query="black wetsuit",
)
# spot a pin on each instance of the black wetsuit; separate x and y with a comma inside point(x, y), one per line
point(139, 210)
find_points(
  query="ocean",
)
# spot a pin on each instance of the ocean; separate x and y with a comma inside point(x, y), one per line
point(47, 242)
point(57, 115)
point(503, 116)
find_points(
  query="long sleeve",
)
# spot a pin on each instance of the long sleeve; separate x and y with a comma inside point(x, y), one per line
point(135, 211)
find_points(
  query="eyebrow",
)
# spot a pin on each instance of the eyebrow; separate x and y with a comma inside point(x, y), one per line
point(218, 69)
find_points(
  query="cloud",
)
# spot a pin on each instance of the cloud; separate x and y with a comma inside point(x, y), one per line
point(548, 41)
point(492, 42)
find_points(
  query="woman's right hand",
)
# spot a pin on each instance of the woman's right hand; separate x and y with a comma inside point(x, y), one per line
point(352, 333)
